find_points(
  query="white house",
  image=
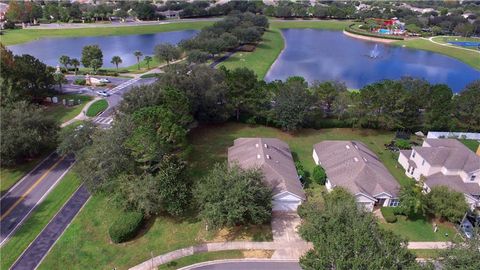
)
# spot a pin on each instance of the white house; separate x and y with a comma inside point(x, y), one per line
point(274, 159)
point(444, 162)
point(351, 165)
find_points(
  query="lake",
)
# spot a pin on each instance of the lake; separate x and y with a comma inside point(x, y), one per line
point(331, 55)
point(49, 50)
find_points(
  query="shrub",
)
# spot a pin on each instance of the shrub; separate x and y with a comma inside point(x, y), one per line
point(80, 81)
point(319, 175)
point(403, 144)
point(388, 214)
point(125, 227)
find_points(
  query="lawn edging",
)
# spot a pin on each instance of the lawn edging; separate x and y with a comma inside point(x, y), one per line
point(97, 107)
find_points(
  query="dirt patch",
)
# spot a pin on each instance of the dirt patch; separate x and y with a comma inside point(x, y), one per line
point(242, 233)
point(257, 253)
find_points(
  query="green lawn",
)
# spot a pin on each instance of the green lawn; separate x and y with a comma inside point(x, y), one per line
point(63, 113)
point(11, 175)
point(11, 37)
point(426, 253)
point(38, 220)
point(97, 107)
point(202, 257)
point(467, 56)
point(471, 144)
point(445, 39)
point(420, 229)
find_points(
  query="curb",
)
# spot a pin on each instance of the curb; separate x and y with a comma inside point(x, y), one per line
point(193, 266)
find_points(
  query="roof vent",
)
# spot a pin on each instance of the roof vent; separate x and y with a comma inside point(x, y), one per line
point(355, 145)
point(364, 159)
point(356, 159)
point(269, 157)
point(347, 146)
point(265, 145)
point(259, 156)
point(256, 145)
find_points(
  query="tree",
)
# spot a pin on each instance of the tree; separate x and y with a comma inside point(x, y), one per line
point(92, 57)
point(65, 61)
point(75, 63)
point(26, 132)
point(464, 29)
point(446, 203)
point(116, 60)
point(168, 190)
point(73, 140)
point(327, 92)
point(138, 55)
point(197, 57)
point(213, 46)
point(59, 78)
point(283, 11)
point(345, 237)
point(412, 201)
point(438, 108)
point(292, 104)
point(148, 59)
point(463, 255)
point(144, 11)
point(242, 89)
point(167, 52)
point(466, 109)
point(230, 196)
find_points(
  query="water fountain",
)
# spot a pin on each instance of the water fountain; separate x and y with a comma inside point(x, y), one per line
point(375, 52)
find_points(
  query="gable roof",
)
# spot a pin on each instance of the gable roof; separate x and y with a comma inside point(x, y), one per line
point(273, 157)
point(449, 153)
point(454, 182)
point(350, 164)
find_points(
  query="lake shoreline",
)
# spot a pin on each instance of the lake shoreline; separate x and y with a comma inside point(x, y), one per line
point(367, 38)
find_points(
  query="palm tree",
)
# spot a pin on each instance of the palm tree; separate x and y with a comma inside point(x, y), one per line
point(75, 63)
point(116, 60)
point(65, 61)
point(138, 54)
point(148, 59)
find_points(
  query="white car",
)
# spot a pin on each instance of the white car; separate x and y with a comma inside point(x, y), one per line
point(103, 80)
point(103, 93)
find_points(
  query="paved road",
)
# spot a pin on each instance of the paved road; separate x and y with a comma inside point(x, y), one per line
point(21, 199)
point(250, 265)
point(34, 254)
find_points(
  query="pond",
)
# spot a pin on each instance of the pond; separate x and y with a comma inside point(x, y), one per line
point(49, 50)
point(331, 55)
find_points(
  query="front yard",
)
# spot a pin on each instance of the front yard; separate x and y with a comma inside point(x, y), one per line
point(63, 113)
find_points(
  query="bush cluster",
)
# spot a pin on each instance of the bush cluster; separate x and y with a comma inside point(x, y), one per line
point(80, 81)
point(125, 227)
point(389, 214)
point(319, 175)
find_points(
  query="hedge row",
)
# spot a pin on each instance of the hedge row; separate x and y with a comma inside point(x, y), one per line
point(388, 214)
point(125, 227)
point(370, 34)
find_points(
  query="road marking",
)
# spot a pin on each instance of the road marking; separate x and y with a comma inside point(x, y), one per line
point(31, 188)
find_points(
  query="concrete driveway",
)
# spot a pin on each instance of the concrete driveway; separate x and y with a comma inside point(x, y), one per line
point(285, 230)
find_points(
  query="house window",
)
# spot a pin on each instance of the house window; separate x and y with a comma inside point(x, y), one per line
point(423, 162)
point(394, 203)
point(472, 178)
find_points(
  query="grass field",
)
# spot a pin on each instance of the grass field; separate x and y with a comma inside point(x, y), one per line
point(11, 175)
point(202, 257)
point(469, 57)
point(63, 113)
point(11, 37)
point(38, 220)
point(426, 253)
point(420, 229)
point(97, 107)
point(445, 39)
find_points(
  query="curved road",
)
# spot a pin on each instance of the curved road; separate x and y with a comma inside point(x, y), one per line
point(245, 264)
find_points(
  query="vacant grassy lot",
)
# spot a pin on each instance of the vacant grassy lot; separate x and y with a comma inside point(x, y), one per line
point(420, 229)
point(97, 107)
point(63, 113)
point(11, 37)
point(38, 220)
point(469, 57)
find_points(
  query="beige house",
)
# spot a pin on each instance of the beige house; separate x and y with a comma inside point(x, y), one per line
point(444, 162)
point(351, 165)
point(273, 157)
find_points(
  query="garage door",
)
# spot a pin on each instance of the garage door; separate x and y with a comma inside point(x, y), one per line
point(285, 206)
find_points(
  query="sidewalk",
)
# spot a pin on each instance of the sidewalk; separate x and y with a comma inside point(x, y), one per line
point(82, 115)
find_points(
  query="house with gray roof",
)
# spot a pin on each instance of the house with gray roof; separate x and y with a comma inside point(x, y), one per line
point(351, 165)
point(273, 157)
point(444, 162)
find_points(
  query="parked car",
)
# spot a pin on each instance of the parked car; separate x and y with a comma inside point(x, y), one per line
point(103, 93)
point(103, 80)
point(466, 228)
point(474, 219)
